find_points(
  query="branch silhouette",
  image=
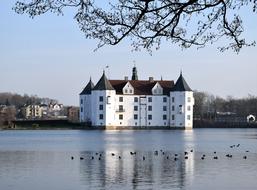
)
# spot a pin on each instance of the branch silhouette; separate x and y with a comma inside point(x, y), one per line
point(146, 23)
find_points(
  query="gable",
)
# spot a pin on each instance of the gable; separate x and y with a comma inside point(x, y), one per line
point(157, 89)
point(128, 89)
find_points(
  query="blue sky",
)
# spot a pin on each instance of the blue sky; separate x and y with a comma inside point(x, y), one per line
point(49, 56)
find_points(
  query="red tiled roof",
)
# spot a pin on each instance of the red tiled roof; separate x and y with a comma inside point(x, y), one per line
point(142, 87)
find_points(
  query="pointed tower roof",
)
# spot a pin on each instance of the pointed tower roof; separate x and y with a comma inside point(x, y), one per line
point(181, 84)
point(87, 90)
point(103, 84)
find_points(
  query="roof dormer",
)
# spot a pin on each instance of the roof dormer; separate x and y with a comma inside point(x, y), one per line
point(128, 89)
point(157, 89)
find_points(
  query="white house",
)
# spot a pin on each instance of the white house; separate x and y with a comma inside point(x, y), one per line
point(137, 103)
point(55, 110)
point(250, 118)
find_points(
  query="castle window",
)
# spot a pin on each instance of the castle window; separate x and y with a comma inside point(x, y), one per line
point(188, 108)
point(188, 99)
point(135, 117)
point(101, 107)
point(149, 108)
point(173, 99)
point(101, 98)
point(135, 108)
point(188, 117)
point(154, 91)
point(101, 116)
point(164, 108)
point(164, 99)
point(120, 107)
point(164, 117)
point(173, 108)
point(81, 109)
point(149, 117)
point(180, 109)
point(126, 91)
point(120, 117)
point(135, 99)
point(172, 117)
point(108, 99)
point(149, 99)
point(120, 99)
point(130, 91)
point(81, 101)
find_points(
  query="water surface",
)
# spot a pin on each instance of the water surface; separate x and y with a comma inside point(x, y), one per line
point(42, 159)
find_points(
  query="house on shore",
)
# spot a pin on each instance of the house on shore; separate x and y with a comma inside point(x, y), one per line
point(43, 111)
point(230, 117)
point(128, 104)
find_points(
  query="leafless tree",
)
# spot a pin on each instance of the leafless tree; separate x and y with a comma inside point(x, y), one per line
point(207, 105)
point(7, 115)
point(20, 100)
point(149, 22)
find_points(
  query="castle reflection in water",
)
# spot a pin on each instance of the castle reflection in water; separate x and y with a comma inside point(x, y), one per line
point(117, 168)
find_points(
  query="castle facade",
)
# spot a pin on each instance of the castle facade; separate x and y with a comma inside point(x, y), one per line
point(117, 104)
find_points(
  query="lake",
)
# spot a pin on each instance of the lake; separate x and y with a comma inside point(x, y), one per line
point(41, 159)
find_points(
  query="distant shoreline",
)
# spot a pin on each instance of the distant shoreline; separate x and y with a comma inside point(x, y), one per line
point(64, 124)
point(67, 125)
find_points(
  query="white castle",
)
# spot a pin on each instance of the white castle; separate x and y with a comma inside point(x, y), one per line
point(117, 104)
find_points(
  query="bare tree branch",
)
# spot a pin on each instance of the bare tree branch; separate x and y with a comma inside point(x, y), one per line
point(148, 22)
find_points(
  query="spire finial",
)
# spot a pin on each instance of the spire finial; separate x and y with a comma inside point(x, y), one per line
point(134, 63)
point(181, 72)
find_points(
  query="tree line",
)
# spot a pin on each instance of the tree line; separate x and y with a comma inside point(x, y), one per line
point(17, 100)
point(208, 105)
point(12, 103)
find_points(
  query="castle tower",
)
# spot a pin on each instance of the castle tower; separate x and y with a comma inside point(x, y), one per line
point(103, 103)
point(85, 102)
point(181, 105)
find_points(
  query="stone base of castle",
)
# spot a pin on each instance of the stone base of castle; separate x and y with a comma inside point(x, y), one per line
point(140, 127)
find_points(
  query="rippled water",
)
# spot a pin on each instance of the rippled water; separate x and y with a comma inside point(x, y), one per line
point(42, 159)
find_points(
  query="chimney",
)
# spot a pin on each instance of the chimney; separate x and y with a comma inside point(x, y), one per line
point(150, 79)
point(126, 78)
